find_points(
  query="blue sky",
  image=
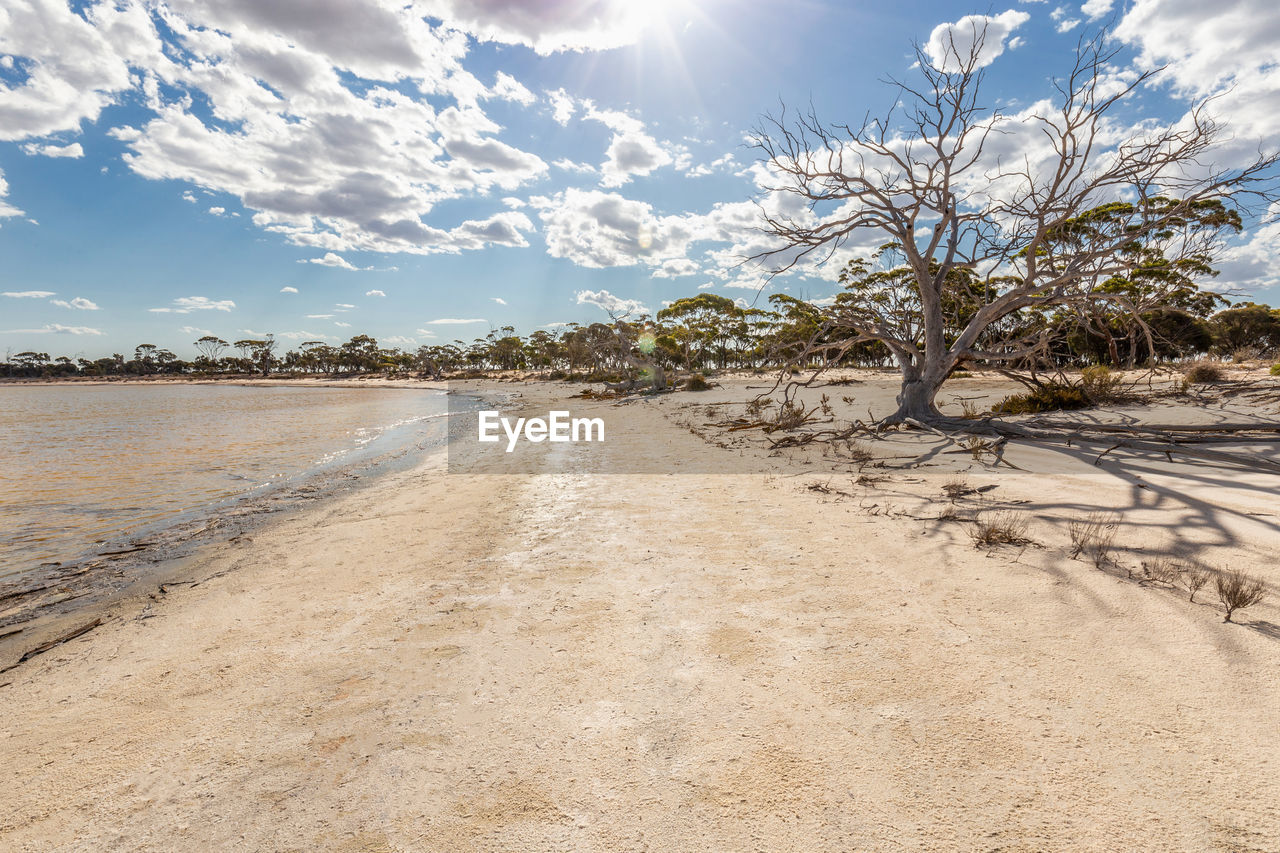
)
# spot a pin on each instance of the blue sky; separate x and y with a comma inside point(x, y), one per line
point(320, 168)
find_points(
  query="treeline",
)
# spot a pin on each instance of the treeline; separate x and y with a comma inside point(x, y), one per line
point(697, 334)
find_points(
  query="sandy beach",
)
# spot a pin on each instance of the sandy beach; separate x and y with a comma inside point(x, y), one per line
point(796, 657)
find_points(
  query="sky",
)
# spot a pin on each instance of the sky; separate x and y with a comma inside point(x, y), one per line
point(429, 170)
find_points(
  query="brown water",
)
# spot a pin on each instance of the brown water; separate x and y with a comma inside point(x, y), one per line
point(86, 467)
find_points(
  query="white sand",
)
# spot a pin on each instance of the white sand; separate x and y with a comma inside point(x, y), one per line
point(674, 662)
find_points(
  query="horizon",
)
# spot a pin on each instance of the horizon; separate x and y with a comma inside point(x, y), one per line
point(426, 176)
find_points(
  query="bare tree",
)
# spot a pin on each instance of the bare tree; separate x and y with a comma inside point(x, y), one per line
point(985, 238)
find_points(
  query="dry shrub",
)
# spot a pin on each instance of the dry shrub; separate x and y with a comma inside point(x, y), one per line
point(853, 450)
point(1194, 579)
point(1049, 397)
point(1245, 354)
point(697, 382)
point(791, 415)
point(957, 487)
point(999, 528)
point(1163, 570)
point(1100, 385)
point(1275, 370)
point(1202, 373)
point(978, 447)
point(1236, 590)
point(970, 411)
point(1094, 536)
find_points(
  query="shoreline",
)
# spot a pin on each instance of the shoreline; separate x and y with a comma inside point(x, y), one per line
point(46, 601)
point(581, 660)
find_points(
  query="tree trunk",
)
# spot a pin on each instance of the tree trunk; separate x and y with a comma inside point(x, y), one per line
point(915, 400)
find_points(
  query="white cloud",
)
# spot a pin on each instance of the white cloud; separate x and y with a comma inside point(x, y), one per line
point(707, 286)
point(249, 98)
point(334, 260)
point(951, 44)
point(192, 330)
point(1230, 54)
point(614, 305)
point(510, 89)
point(563, 106)
point(631, 150)
point(1067, 25)
point(400, 341)
point(187, 304)
point(288, 289)
point(79, 303)
point(498, 299)
point(374, 293)
point(1096, 8)
point(7, 209)
point(452, 322)
point(28, 294)
point(425, 333)
point(187, 196)
point(341, 324)
point(319, 316)
point(56, 329)
point(343, 305)
point(548, 26)
point(73, 151)
point(217, 211)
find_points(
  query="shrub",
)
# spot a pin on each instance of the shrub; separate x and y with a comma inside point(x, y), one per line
point(1099, 384)
point(1163, 570)
point(1275, 370)
point(1202, 373)
point(697, 382)
point(1194, 580)
point(1236, 590)
point(957, 487)
point(1093, 536)
point(1050, 397)
point(999, 528)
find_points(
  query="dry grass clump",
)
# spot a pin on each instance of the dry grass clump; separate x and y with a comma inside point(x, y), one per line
point(999, 528)
point(1202, 373)
point(1236, 591)
point(1275, 370)
point(791, 415)
point(1094, 536)
point(1163, 570)
point(1100, 385)
point(697, 382)
point(957, 487)
point(1049, 397)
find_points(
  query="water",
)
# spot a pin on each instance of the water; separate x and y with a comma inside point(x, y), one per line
point(86, 467)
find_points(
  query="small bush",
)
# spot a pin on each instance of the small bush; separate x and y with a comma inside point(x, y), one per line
point(697, 382)
point(1275, 370)
point(1094, 536)
point(970, 410)
point(999, 528)
point(1203, 373)
point(1245, 354)
point(791, 415)
point(1050, 397)
point(957, 487)
point(1163, 570)
point(1236, 590)
point(1099, 384)
point(1194, 579)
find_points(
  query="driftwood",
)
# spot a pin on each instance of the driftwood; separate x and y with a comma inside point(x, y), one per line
point(55, 642)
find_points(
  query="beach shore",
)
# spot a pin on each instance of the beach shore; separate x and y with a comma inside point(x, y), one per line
point(810, 654)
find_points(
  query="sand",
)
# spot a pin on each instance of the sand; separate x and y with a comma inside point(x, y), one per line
point(656, 661)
